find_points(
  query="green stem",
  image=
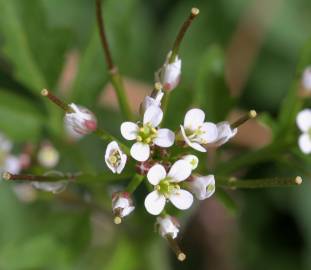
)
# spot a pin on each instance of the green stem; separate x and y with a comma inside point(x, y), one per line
point(135, 182)
point(117, 83)
point(258, 183)
point(77, 177)
point(115, 76)
point(266, 153)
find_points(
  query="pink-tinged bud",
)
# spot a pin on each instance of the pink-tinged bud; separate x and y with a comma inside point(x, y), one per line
point(82, 121)
point(167, 226)
point(25, 160)
point(169, 74)
point(122, 205)
point(143, 167)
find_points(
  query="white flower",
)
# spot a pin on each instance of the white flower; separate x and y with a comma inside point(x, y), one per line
point(122, 204)
point(115, 158)
point(54, 187)
point(167, 225)
point(192, 160)
point(82, 121)
point(48, 156)
point(225, 133)
point(152, 101)
point(196, 132)
point(169, 74)
point(147, 134)
point(303, 120)
point(306, 79)
point(167, 187)
point(202, 187)
point(12, 165)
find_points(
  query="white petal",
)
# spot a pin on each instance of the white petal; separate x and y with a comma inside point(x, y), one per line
point(180, 171)
point(193, 119)
point(122, 163)
point(305, 143)
point(129, 130)
point(155, 203)
point(194, 145)
point(210, 132)
point(12, 164)
point(153, 115)
point(192, 160)
point(304, 120)
point(156, 174)
point(140, 151)
point(165, 138)
point(225, 133)
point(182, 199)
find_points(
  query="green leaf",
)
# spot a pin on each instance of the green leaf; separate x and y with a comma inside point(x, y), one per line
point(293, 103)
point(17, 48)
point(92, 74)
point(20, 118)
point(212, 94)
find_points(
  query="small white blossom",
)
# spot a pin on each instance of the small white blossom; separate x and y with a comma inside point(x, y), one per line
point(152, 101)
point(192, 160)
point(225, 133)
point(306, 79)
point(147, 134)
point(167, 187)
point(167, 225)
point(48, 156)
point(303, 120)
point(169, 74)
point(196, 132)
point(202, 187)
point(54, 187)
point(122, 204)
point(115, 158)
point(82, 121)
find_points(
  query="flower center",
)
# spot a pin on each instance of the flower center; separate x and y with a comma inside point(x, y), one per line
point(114, 158)
point(195, 135)
point(146, 133)
point(210, 188)
point(166, 187)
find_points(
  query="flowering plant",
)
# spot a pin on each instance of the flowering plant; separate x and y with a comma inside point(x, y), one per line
point(169, 162)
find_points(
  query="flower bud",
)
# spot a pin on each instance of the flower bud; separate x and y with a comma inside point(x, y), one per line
point(115, 158)
point(48, 156)
point(122, 205)
point(192, 160)
point(202, 187)
point(225, 133)
point(11, 164)
point(167, 226)
point(82, 121)
point(169, 74)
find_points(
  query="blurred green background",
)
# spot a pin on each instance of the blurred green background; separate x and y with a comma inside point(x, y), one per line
point(247, 48)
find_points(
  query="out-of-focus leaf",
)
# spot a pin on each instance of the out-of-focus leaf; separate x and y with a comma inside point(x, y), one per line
point(292, 103)
point(20, 119)
point(226, 200)
point(124, 257)
point(211, 93)
point(40, 252)
point(17, 47)
point(92, 74)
